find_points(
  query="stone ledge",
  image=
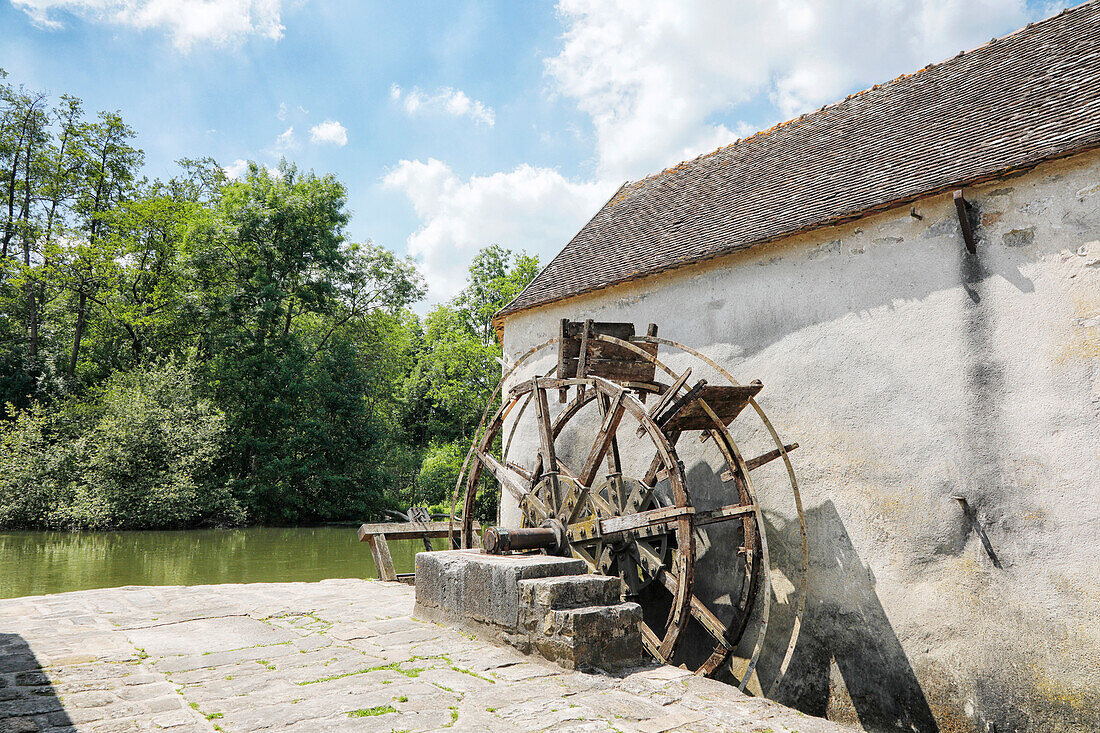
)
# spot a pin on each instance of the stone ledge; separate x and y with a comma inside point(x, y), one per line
point(536, 603)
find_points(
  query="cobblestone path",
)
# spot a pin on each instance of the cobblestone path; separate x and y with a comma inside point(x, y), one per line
point(330, 656)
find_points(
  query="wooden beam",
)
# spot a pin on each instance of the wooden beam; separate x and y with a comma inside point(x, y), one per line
point(627, 522)
point(603, 440)
point(380, 550)
point(754, 463)
point(720, 515)
point(403, 530)
point(964, 222)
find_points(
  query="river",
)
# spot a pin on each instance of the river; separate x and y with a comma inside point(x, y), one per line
point(36, 563)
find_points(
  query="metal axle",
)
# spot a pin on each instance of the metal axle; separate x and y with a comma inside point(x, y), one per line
point(499, 540)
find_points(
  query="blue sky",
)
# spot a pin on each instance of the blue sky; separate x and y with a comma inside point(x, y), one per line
point(458, 124)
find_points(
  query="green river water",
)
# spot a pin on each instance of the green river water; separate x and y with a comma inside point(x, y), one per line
point(36, 563)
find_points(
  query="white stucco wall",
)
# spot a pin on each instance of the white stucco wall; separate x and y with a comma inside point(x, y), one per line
point(910, 371)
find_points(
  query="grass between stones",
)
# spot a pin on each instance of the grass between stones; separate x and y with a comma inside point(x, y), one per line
point(393, 667)
point(371, 712)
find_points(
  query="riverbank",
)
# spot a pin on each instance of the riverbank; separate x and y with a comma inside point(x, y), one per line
point(329, 656)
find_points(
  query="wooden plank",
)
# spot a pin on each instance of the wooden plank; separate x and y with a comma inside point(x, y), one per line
point(610, 350)
point(581, 353)
point(380, 550)
point(403, 530)
point(626, 523)
point(618, 329)
point(616, 370)
point(727, 402)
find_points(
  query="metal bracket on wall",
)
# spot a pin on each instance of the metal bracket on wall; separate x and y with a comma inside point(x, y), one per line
point(964, 222)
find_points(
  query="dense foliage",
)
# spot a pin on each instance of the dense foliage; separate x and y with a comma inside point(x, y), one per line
point(204, 351)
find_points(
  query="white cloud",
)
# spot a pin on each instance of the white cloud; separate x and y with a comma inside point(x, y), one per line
point(281, 114)
point(534, 209)
point(329, 132)
point(286, 140)
point(654, 77)
point(446, 100)
point(236, 169)
point(218, 22)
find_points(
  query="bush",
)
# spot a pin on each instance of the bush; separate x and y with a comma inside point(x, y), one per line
point(438, 474)
point(137, 453)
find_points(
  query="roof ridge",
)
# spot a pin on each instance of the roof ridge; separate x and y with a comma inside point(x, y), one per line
point(834, 105)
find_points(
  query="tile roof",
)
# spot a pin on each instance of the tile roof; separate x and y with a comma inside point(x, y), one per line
point(1031, 96)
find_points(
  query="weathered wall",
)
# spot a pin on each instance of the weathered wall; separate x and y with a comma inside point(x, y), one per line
point(911, 371)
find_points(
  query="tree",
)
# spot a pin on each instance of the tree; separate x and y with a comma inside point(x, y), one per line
point(291, 306)
point(138, 452)
point(82, 265)
point(496, 277)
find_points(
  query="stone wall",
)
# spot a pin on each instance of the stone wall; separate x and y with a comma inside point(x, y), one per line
point(911, 372)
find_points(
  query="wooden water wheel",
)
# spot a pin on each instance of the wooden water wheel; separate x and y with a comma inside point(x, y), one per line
point(606, 484)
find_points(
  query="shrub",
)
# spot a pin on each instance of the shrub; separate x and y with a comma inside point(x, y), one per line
point(438, 473)
point(136, 453)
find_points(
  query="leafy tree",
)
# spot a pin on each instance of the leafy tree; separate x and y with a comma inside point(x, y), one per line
point(496, 277)
point(203, 350)
point(138, 454)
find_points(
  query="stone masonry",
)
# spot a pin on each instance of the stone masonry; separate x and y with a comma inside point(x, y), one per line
point(537, 603)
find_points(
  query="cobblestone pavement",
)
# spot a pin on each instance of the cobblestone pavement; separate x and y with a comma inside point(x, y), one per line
point(330, 656)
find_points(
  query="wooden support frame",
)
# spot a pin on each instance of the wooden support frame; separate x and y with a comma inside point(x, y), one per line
point(377, 537)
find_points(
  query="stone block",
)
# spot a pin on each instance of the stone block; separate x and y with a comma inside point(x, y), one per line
point(467, 585)
point(571, 591)
point(538, 604)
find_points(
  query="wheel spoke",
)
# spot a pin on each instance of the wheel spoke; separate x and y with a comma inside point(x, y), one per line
point(699, 610)
point(603, 439)
point(629, 566)
point(587, 557)
point(527, 475)
point(614, 465)
point(514, 484)
point(650, 641)
point(668, 396)
point(546, 432)
point(754, 463)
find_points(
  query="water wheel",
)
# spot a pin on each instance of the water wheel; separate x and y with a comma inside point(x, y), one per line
point(606, 484)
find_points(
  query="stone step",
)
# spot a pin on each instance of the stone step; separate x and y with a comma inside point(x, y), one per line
point(572, 591)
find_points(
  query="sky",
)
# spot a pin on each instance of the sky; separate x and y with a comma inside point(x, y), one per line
point(455, 124)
